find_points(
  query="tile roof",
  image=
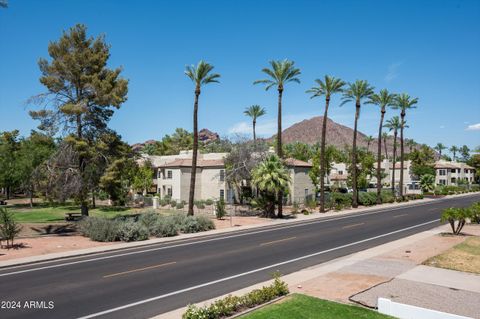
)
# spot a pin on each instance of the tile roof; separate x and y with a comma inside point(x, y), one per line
point(183, 162)
point(298, 163)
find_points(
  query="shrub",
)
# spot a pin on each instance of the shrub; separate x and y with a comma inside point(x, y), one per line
point(195, 224)
point(180, 206)
point(458, 216)
point(367, 198)
point(220, 209)
point(178, 219)
point(200, 204)
point(339, 201)
point(173, 203)
point(9, 229)
point(387, 197)
point(311, 204)
point(295, 208)
point(230, 305)
point(209, 202)
point(100, 229)
point(165, 227)
point(164, 202)
point(148, 219)
point(475, 213)
point(132, 231)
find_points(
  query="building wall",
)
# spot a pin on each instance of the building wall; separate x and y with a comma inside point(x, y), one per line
point(300, 181)
point(211, 183)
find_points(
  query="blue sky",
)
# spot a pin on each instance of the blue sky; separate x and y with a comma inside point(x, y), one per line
point(429, 49)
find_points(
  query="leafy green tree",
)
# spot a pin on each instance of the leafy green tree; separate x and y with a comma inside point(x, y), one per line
point(332, 154)
point(271, 178)
point(427, 183)
point(403, 102)
point(9, 228)
point(82, 93)
point(383, 99)
point(439, 148)
point(279, 74)
point(200, 75)
point(423, 160)
point(393, 124)
point(327, 87)
point(34, 151)
point(143, 178)
point(454, 150)
point(411, 144)
point(298, 150)
point(10, 175)
point(465, 153)
point(474, 161)
point(356, 92)
point(118, 179)
point(254, 111)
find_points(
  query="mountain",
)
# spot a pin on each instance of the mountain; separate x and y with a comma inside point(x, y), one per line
point(310, 131)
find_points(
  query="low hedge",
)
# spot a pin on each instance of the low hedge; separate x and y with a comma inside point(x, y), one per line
point(147, 224)
point(231, 305)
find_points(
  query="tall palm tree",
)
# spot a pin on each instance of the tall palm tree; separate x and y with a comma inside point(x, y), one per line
point(279, 74)
point(200, 75)
point(454, 149)
point(255, 111)
point(369, 139)
point(326, 88)
point(384, 137)
point(356, 92)
point(403, 102)
point(439, 148)
point(383, 99)
point(393, 124)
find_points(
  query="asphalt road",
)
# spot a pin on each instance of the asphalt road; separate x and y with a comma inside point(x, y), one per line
point(149, 280)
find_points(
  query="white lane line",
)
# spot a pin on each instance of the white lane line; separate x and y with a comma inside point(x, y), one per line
point(173, 293)
point(205, 240)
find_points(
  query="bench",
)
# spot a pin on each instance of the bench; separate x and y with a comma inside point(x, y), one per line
point(73, 216)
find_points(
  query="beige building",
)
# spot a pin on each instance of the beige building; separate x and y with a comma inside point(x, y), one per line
point(450, 173)
point(173, 172)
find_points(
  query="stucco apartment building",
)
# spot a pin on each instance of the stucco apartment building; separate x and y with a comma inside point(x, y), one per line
point(173, 172)
point(450, 173)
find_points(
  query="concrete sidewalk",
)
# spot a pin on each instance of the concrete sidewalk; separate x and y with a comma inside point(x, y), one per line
point(299, 218)
point(356, 277)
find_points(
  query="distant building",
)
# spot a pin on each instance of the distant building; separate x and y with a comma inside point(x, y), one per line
point(453, 173)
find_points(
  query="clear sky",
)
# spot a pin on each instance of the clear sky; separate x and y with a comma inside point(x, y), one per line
point(428, 49)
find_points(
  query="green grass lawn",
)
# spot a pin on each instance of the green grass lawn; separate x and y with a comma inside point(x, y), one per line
point(46, 213)
point(304, 307)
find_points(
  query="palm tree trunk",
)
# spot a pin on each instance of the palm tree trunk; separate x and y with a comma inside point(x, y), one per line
point(385, 146)
point(393, 161)
point(254, 135)
point(354, 158)
point(322, 157)
point(279, 147)
point(401, 155)
point(193, 176)
point(379, 157)
point(31, 196)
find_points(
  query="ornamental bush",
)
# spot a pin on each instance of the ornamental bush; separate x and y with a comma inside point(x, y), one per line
point(339, 201)
point(100, 229)
point(165, 227)
point(195, 224)
point(367, 198)
point(132, 231)
point(387, 197)
point(148, 219)
point(9, 228)
point(220, 209)
point(456, 217)
point(230, 305)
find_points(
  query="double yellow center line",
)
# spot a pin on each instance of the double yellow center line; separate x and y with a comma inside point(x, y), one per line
point(139, 269)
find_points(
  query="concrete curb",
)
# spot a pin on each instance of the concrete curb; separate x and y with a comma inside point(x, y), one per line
point(300, 218)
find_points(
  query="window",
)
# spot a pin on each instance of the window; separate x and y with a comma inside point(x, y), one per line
point(169, 192)
point(340, 172)
point(443, 182)
point(306, 192)
point(453, 180)
point(453, 170)
point(222, 175)
point(442, 172)
point(169, 174)
point(222, 194)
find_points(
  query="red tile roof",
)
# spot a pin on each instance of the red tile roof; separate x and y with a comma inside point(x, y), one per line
point(297, 163)
point(182, 162)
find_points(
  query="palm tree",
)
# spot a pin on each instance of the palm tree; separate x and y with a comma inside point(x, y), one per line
point(384, 99)
point(270, 177)
point(200, 75)
point(330, 86)
point(454, 149)
point(255, 111)
point(279, 74)
point(403, 102)
point(393, 124)
point(384, 137)
point(439, 148)
point(356, 92)
point(369, 139)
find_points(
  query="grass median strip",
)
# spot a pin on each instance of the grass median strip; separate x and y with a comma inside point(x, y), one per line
point(139, 269)
point(305, 307)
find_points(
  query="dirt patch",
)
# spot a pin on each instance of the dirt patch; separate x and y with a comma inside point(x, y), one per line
point(27, 247)
point(463, 257)
point(338, 286)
